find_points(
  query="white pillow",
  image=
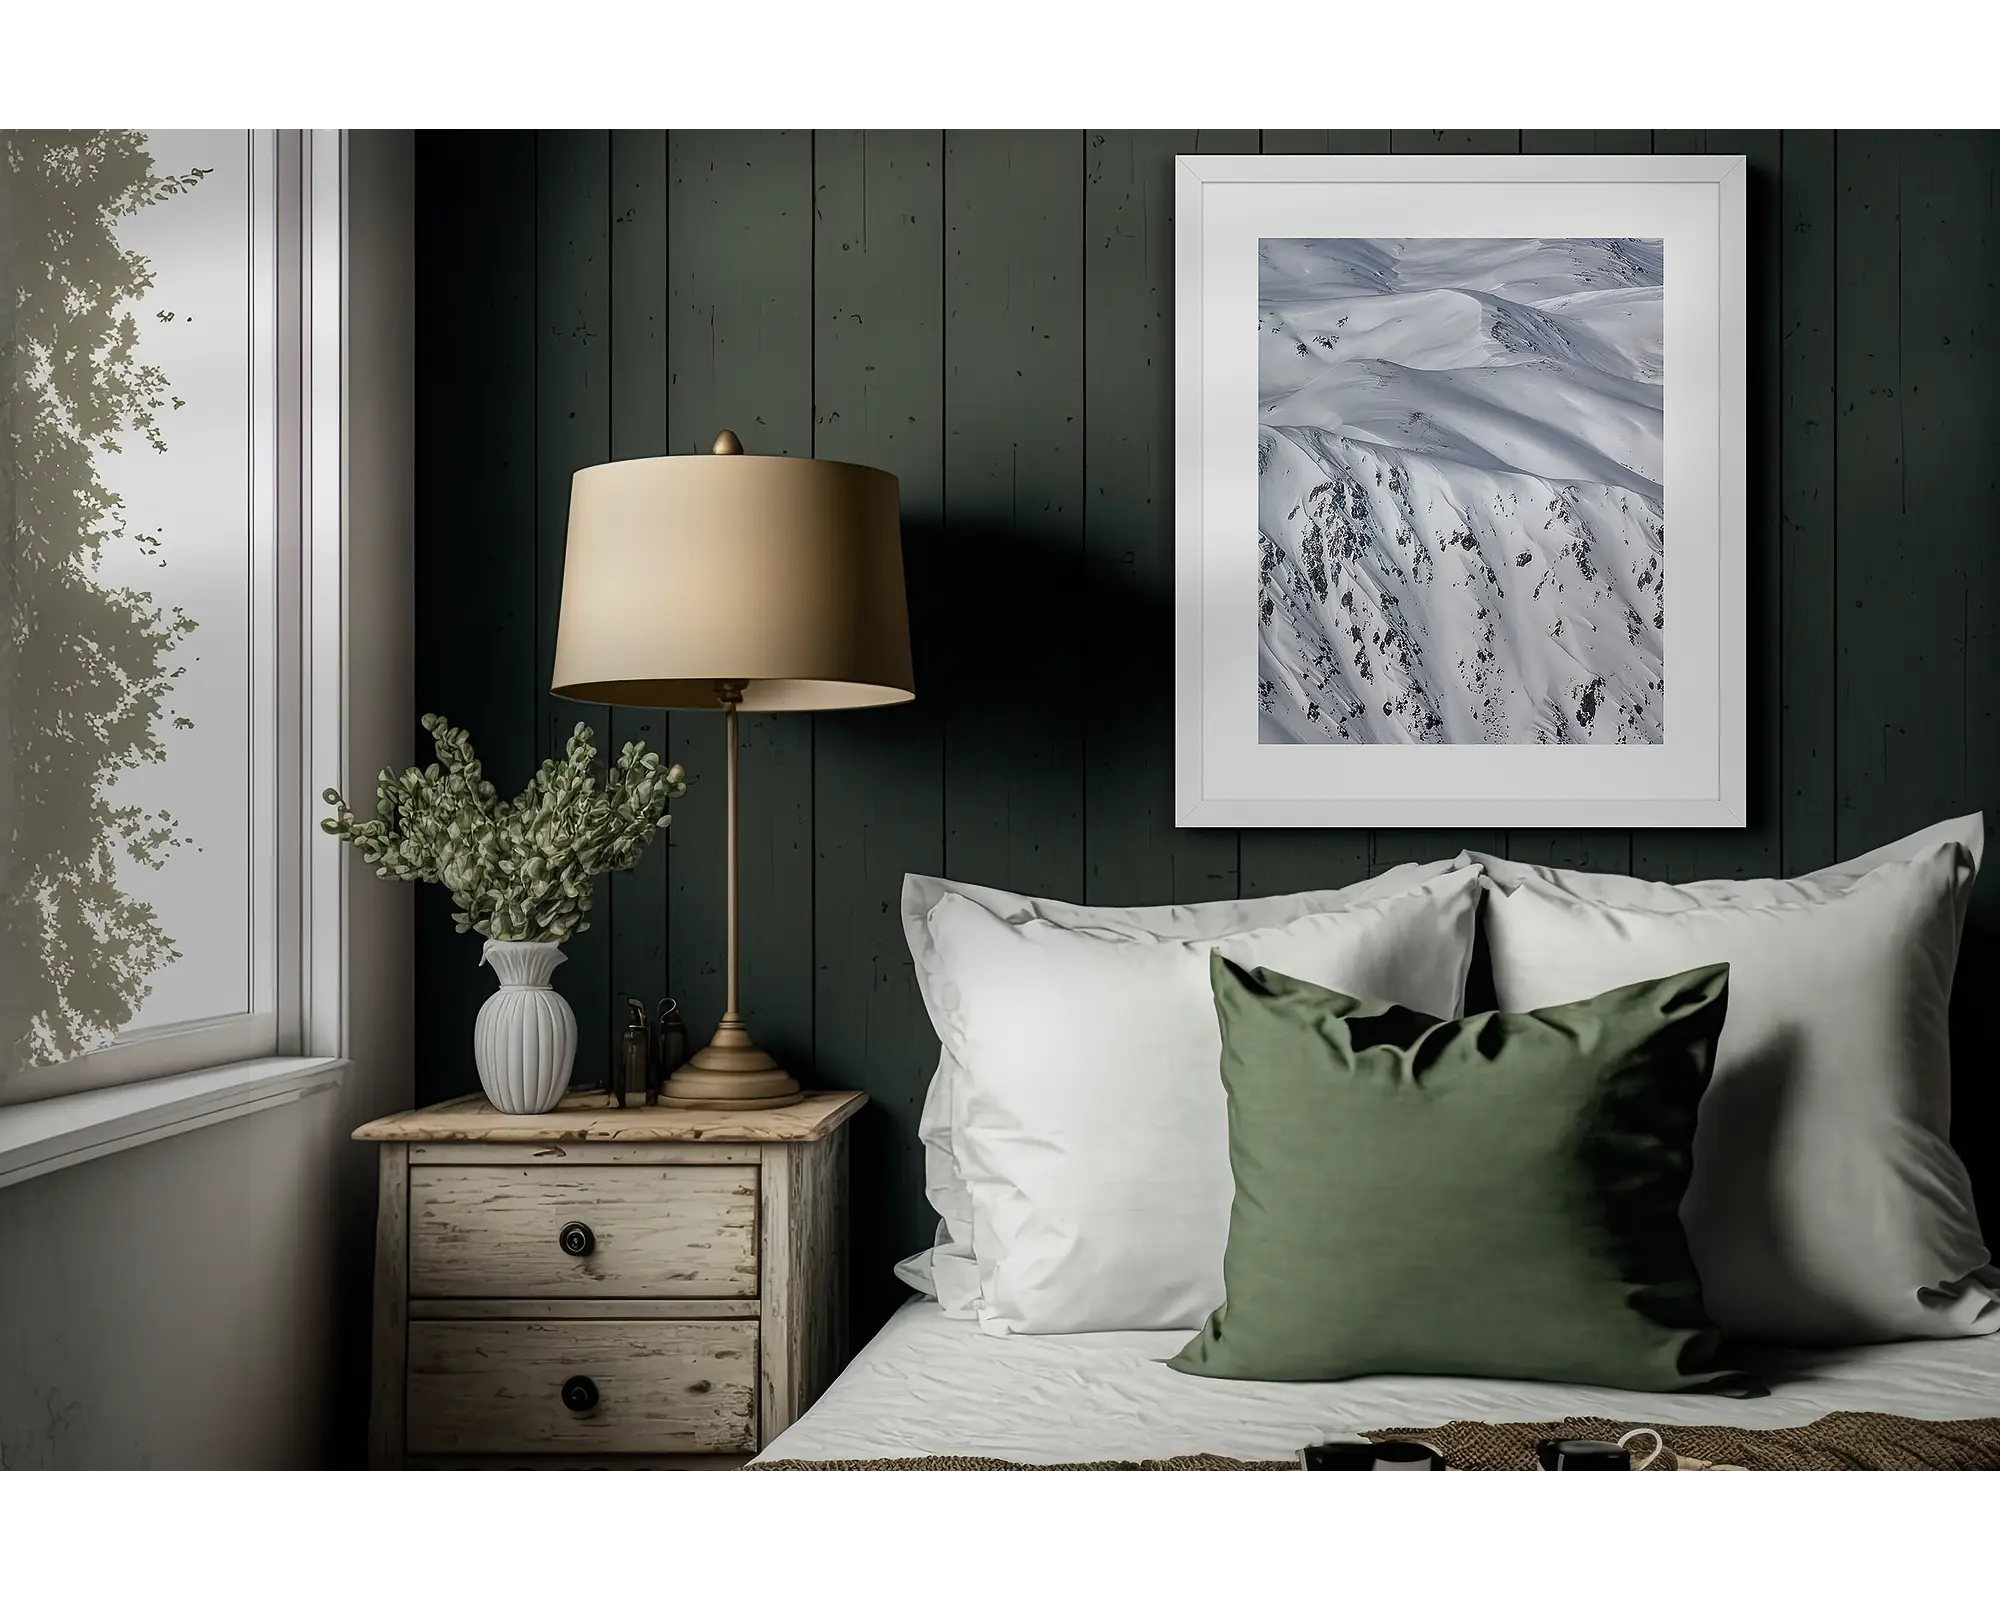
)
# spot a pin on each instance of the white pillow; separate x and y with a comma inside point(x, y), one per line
point(1092, 1128)
point(1614, 889)
point(1826, 1205)
point(947, 1270)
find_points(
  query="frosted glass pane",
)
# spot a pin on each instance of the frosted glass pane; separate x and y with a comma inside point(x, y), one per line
point(129, 565)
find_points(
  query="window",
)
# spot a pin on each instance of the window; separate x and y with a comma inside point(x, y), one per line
point(155, 496)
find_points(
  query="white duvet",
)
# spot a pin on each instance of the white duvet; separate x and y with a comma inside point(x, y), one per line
point(932, 1385)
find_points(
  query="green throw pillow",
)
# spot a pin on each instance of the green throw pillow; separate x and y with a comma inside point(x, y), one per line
point(1495, 1196)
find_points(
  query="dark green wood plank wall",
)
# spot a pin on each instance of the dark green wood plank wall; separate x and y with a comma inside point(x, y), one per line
point(1134, 855)
point(572, 430)
point(636, 907)
point(1014, 687)
point(989, 316)
point(879, 776)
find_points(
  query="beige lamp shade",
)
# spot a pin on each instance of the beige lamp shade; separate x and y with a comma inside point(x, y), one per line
point(779, 574)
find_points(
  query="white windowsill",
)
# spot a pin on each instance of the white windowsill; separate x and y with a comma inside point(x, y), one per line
point(44, 1136)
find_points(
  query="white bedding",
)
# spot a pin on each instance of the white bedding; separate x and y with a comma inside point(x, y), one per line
point(932, 1385)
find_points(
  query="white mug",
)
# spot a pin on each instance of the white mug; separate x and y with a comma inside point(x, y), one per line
point(1407, 1455)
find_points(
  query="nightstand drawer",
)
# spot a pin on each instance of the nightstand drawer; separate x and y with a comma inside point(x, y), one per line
point(532, 1232)
point(554, 1387)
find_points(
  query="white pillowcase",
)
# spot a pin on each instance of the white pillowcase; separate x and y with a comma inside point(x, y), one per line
point(948, 1271)
point(1826, 1205)
point(1091, 1125)
point(1614, 889)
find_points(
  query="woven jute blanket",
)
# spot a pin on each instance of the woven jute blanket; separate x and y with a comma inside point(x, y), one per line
point(1843, 1441)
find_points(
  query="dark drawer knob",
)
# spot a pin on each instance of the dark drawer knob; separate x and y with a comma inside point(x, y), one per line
point(579, 1394)
point(577, 1239)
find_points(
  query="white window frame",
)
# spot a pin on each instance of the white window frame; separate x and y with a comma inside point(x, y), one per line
point(298, 654)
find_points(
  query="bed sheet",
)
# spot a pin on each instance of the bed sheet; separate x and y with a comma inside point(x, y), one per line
point(932, 1385)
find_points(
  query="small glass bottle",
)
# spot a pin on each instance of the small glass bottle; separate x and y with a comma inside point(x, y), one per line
point(632, 1063)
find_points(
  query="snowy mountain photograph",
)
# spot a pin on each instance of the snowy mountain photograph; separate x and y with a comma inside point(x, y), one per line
point(1460, 511)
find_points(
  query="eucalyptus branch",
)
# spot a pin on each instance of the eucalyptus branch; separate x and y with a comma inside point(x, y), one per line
point(521, 869)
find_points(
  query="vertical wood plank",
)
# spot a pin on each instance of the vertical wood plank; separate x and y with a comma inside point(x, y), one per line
point(1135, 854)
point(572, 430)
point(1561, 142)
point(739, 344)
point(388, 1390)
point(1807, 654)
point(1868, 478)
point(637, 904)
point(1293, 860)
point(1587, 142)
point(1324, 142)
point(1582, 849)
point(1455, 141)
point(1901, 746)
point(475, 557)
point(1946, 276)
point(878, 776)
point(1014, 510)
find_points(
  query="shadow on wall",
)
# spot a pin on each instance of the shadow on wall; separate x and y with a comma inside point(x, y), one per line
point(1008, 626)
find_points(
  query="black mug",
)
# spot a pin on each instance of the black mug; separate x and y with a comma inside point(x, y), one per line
point(1362, 1455)
point(1595, 1455)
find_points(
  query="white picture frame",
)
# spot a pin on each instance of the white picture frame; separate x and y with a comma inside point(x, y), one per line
point(1694, 776)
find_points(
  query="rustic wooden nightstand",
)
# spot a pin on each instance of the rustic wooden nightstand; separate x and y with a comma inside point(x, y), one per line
point(646, 1287)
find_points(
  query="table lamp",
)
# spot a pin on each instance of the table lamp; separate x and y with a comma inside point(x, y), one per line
point(731, 582)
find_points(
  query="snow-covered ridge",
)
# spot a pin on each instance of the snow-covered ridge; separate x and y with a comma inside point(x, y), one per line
point(1459, 480)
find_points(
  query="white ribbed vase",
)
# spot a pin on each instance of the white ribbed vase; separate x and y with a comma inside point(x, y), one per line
point(525, 1037)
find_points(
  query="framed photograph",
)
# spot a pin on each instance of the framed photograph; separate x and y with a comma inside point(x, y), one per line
point(1459, 491)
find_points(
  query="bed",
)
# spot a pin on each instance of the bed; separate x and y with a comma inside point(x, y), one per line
point(1144, 1116)
point(928, 1384)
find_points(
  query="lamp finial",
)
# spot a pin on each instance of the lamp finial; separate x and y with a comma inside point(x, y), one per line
point(726, 444)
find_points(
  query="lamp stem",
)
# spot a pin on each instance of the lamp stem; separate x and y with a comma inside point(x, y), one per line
point(731, 1074)
point(735, 764)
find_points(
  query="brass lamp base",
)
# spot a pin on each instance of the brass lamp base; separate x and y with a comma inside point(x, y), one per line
point(731, 1074)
